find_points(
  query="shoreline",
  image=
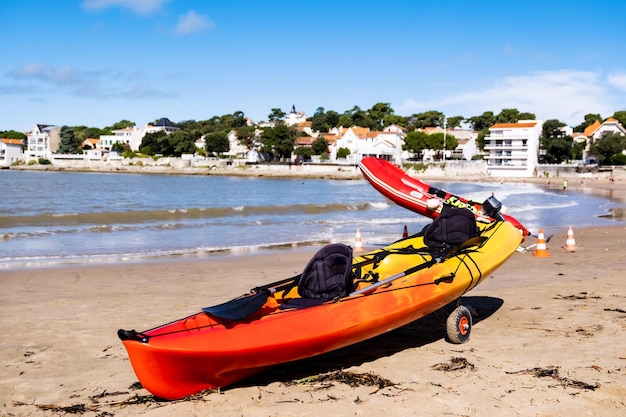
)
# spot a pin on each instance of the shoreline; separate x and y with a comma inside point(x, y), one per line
point(330, 171)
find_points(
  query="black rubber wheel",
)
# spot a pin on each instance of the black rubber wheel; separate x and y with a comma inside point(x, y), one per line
point(459, 325)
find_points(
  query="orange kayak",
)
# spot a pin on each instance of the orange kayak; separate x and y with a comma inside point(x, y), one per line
point(416, 195)
point(393, 286)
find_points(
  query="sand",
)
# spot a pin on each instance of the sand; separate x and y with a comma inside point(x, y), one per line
point(548, 340)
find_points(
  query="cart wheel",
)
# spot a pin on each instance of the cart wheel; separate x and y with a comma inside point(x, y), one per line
point(459, 325)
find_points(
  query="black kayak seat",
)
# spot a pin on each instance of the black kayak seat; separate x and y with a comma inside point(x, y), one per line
point(327, 276)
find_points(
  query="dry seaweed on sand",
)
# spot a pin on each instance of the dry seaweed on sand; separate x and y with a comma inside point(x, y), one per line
point(96, 406)
point(553, 372)
point(455, 364)
point(580, 296)
point(352, 379)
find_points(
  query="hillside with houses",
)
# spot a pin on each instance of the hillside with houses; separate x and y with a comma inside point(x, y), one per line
point(510, 149)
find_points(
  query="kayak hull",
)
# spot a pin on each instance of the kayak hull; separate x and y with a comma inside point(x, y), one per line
point(202, 352)
point(416, 195)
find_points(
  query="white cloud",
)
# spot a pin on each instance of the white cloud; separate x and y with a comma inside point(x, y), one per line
point(143, 7)
point(566, 95)
point(192, 22)
point(617, 80)
point(33, 78)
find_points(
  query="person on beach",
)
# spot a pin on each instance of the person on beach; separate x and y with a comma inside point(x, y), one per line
point(564, 185)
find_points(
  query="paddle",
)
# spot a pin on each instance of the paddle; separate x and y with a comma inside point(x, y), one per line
point(243, 306)
point(475, 241)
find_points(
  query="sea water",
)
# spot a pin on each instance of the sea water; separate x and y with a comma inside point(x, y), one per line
point(52, 218)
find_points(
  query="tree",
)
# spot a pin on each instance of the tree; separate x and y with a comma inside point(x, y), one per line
point(609, 149)
point(69, 143)
point(430, 118)
point(482, 122)
point(319, 146)
point(558, 146)
point(513, 116)
point(12, 134)
point(454, 121)
point(276, 115)
point(180, 142)
point(151, 144)
point(246, 136)
point(343, 152)
point(122, 124)
point(216, 142)
point(361, 118)
point(238, 120)
point(279, 140)
point(415, 142)
point(379, 115)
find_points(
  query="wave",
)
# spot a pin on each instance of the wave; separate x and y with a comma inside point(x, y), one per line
point(102, 220)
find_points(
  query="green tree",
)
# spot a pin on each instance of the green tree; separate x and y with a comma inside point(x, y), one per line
point(69, 143)
point(12, 134)
point(303, 151)
point(279, 140)
point(415, 142)
point(319, 146)
point(246, 136)
point(239, 120)
point(454, 121)
point(122, 124)
point(430, 118)
point(345, 120)
point(180, 142)
point(379, 115)
point(558, 146)
point(361, 118)
point(343, 152)
point(608, 149)
point(513, 116)
point(276, 115)
point(216, 142)
point(152, 143)
point(482, 122)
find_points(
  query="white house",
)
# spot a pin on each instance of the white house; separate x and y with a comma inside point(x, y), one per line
point(295, 117)
point(42, 141)
point(513, 148)
point(361, 142)
point(599, 130)
point(132, 136)
point(11, 151)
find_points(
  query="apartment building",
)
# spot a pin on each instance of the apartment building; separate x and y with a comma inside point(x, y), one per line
point(513, 148)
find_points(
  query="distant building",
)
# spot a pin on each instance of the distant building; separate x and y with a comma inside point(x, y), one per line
point(11, 151)
point(363, 142)
point(132, 136)
point(295, 117)
point(513, 148)
point(42, 142)
point(599, 130)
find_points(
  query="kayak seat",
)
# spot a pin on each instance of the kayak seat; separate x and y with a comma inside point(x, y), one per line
point(327, 276)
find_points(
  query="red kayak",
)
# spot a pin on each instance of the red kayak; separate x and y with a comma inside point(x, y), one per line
point(415, 195)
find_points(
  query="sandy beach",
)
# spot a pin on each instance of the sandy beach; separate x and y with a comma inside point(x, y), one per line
point(548, 340)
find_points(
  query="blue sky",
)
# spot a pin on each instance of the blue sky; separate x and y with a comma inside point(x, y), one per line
point(96, 62)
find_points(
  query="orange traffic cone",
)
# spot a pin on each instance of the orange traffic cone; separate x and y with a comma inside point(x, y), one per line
point(570, 243)
point(358, 245)
point(541, 249)
point(405, 234)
